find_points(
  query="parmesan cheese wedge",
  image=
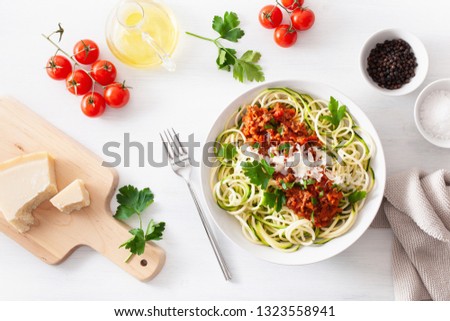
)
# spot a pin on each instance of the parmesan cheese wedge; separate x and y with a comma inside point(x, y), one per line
point(72, 198)
point(25, 183)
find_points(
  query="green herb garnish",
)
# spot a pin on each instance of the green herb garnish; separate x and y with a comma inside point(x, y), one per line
point(356, 196)
point(274, 200)
point(337, 112)
point(246, 66)
point(285, 147)
point(287, 185)
point(259, 173)
point(133, 201)
point(314, 201)
point(227, 151)
point(308, 182)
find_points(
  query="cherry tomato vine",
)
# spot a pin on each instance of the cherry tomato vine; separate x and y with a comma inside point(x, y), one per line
point(300, 19)
point(79, 81)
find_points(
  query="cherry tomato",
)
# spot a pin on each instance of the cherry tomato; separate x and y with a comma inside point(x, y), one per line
point(285, 36)
point(116, 95)
point(103, 72)
point(292, 4)
point(93, 104)
point(86, 51)
point(78, 82)
point(270, 17)
point(58, 67)
point(302, 19)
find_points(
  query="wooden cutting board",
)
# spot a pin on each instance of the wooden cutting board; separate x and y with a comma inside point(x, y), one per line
point(55, 235)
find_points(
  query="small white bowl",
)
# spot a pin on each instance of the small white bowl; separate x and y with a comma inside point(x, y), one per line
point(419, 51)
point(441, 84)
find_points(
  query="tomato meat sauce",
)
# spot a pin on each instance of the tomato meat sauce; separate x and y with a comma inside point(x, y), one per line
point(269, 127)
point(313, 200)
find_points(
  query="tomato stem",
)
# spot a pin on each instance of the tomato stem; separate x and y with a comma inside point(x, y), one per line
point(60, 31)
point(75, 63)
point(59, 48)
point(284, 8)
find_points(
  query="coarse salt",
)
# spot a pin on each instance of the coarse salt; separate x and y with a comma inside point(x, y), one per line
point(435, 114)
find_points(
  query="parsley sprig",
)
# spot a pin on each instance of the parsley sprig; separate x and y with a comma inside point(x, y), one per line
point(337, 112)
point(357, 196)
point(244, 68)
point(133, 201)
point(226, 151)
point(259, 173)
point(274, 200)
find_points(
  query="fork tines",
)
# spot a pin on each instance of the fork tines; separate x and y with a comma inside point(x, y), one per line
point(173, 141)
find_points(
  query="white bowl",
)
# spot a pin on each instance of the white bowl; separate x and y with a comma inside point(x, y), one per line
point(442, 84)
point(419, 51)
point(231, 227)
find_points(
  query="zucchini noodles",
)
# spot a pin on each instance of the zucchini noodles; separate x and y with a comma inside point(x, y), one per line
point(294, 171)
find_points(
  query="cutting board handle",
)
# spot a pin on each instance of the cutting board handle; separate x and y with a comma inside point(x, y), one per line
point(110, 234)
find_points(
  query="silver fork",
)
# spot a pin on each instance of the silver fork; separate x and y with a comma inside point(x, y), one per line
point(179, 161)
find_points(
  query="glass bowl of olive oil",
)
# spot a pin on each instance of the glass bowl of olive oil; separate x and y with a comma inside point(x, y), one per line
point(142, 33)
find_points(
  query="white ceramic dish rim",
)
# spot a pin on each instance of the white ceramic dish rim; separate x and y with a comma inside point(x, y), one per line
point(231, 228)
point(435, 85)
point(416, 45)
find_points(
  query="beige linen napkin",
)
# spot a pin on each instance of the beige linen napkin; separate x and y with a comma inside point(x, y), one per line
point(417, 208)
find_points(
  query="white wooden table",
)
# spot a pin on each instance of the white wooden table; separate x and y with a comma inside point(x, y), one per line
point(189, 100)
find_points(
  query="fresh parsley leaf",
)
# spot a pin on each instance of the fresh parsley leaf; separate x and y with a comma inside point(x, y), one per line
point(132, 201)
point(356, 196)
point(285, 147)
point(287, 185)
point(247, 67)
point(227, 26)
point(274, 200)
point(308, 182)
point(312, 218)
point(136, 244)
point(269, 169)
point(259, 173)
point(256, 145)
point(321, 194)
point(269, 199)
point(314, 201)
point(227, 151)
point(226, 58)
point(244, 68)
point(337, 112)
point(281, 200)
point(273, 122)
point(280, 130)
point(154, 231)
point(268, 126)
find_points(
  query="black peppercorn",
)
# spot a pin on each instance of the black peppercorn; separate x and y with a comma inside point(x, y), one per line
point(391, 64)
